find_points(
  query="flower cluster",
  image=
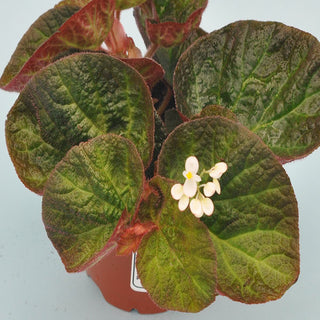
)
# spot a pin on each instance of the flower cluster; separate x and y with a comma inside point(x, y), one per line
point(200, 202)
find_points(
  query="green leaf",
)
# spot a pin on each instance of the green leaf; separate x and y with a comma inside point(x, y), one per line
point(87, 194)
point(177, 11)
point(216, 110)
point(32, 157)
point(159, 138)
point(172, 119)
point(255, 223)
point(176, 262)
point(168, 57)
point(119, 4)
point(72, 100)
point(266, 73)
point(85, 29)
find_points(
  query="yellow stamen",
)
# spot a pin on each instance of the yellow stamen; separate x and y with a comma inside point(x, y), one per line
point(189, 175)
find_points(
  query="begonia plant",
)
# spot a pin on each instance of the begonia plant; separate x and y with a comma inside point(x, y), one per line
point(176, 155)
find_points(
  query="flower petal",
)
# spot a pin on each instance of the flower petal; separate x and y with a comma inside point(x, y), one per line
point(177, 191)
point(197, 178)
point(209, 189)
point(192, 164)
point(190, 188)
point(183, 203)
point(196, 208)
point(218, 170)
point(217, 185)
point(207, 206)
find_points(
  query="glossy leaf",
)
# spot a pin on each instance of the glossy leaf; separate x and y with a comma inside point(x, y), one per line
point(119, 4)
point(87, 193)
point(176, 262)
point(86, 29)
point(266, 73)
point(255, 223)
point(72, 100)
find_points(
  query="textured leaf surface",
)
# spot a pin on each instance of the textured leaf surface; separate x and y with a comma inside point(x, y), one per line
point(169, 23)
point(86, 29)
point(266, 73)
point(168, 57)
point(216, 110)
point(255, 223)
point(120, 4)
point(177, 11)
point(39, 32)
point(176, 262)
point(169, 33)
point(86, 195)
point(151, 71)
point(75, 99)
point(32, 157)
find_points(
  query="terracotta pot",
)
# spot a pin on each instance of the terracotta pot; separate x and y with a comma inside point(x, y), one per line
point(118, 281)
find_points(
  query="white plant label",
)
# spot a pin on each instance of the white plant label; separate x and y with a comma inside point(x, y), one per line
point(135, 282)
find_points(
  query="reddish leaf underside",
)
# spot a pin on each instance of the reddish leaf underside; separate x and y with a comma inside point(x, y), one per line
point(150, 70)
point(86, 29)
point(119, 4)
point(130, 239)
point(170, 33)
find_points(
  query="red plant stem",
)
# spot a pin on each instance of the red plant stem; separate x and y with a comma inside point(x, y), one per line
point(151, 50)
point(117, 14)
point(166, 100)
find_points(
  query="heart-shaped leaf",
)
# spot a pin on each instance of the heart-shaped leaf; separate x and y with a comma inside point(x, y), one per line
point(176, 262)
point(255, 223)
point(87, 193)
point(72, 100)
point(85, 29)
point(266, 73)
point(120, 4)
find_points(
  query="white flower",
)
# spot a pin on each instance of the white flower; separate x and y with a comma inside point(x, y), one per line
point(218, 170)
point(215, 173)
point(177, 194)
point(209, 189)
point(190, 186)
point(217, 185)
point(201, 205)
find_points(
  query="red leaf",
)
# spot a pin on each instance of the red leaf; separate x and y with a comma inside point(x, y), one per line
point(131, 238)
point(150, 70)
point(167, 34)
point(117, 40)
point(86, 29)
